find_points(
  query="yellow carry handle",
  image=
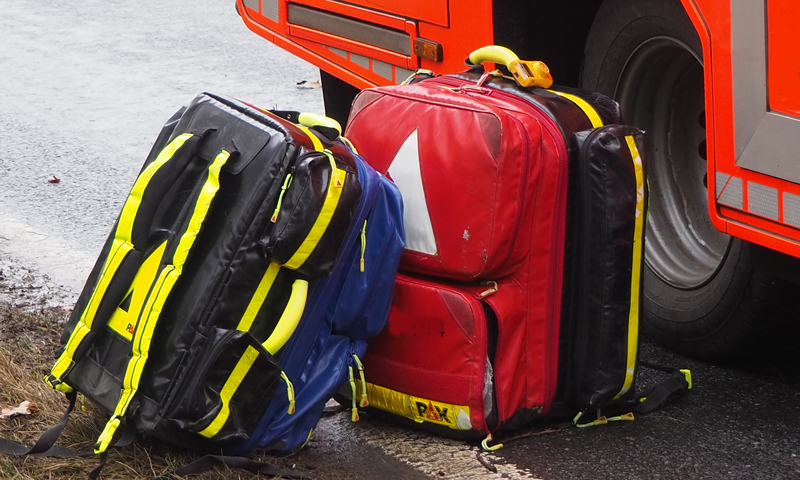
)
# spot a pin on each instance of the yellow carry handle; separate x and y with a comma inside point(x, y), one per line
point(290, 318)
point(526, 73)
point(313, 120)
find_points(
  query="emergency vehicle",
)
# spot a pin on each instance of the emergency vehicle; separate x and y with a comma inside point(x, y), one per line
point(715, 84)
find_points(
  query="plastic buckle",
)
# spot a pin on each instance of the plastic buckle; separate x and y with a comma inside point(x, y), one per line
point(104, 440)
point(688, 375)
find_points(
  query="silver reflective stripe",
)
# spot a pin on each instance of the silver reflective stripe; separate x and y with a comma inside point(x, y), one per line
point(360, 31)
point(730, 191)
point(269, 8)
point(401, 74)
point(791, 209)
point(253, 4)
point(360, 60)
point(762, 200)
point(766, 142)
point(407, 175)
point(383, 69)
point(338, 51)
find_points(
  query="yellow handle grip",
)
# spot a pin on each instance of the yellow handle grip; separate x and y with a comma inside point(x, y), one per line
point(290, 318)
point(312, 120)
point(526, 73)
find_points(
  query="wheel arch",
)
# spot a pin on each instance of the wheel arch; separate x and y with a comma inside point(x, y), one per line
point(553, 32)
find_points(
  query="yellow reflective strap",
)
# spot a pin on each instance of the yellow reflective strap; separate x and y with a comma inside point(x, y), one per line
point(289, 319)
point(314, 139)
point(120, 248)
point(144, 336)
point(124, 322)
point(207, 194)
point(260, 295)
point(164, 284)
point(636, 269)
point(131, 206)
point(231, 384)
point(104, 440)
point(119, 251)
point(583, 105)
point(321, 223)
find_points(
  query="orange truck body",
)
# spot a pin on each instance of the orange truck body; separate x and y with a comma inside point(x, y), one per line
point(752, 83)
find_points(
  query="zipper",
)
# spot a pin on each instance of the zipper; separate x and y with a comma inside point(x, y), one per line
point(554, 310)
point(322, 283)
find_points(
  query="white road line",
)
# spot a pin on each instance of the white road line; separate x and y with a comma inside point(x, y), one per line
point(427, 453)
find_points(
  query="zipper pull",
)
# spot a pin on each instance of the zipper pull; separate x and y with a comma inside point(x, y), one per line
point(363, 245)
point(286, 183)
point(289, 393)
point(490, 291)
point(354, 414)
point(364, 401)
point(334, 170)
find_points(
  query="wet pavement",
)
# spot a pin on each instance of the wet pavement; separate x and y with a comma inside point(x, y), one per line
point(86, 88)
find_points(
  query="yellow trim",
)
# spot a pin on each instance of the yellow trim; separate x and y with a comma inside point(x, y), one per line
point(456, 417)
point(260, 295)
point(583, 105)
point(119, 251)
point(321, 223)
point(312, 120)
point(314, 139)
point(120, 248)
point(289, 319)
point(124, 322)
point(636, 270)
point(493, 53)
point(231, 384)
point(161, 289)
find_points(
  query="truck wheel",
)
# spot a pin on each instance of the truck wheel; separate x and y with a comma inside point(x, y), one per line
point(702, 295)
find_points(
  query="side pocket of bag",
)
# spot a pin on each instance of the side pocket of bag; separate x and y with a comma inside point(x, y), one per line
point(604, 321)
point(228, 390)
point(366, 295)
point(313, 215)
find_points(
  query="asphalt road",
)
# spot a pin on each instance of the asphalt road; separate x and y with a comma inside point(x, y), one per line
point(84, 90)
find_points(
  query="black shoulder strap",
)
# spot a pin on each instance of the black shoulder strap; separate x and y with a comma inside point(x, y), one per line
point(652, 398)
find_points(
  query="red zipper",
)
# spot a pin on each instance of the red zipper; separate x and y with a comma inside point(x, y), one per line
point(557, 259)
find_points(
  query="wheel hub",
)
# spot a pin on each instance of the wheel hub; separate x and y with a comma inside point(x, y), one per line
point(661, 91)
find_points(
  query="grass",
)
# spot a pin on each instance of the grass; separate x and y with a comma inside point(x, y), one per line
point(27, 343)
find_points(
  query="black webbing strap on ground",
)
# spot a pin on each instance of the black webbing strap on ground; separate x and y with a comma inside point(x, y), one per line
point(656, 396)
point(44, 447)
point(208, 462)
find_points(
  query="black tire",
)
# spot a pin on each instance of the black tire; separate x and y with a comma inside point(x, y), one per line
point(702, 295)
